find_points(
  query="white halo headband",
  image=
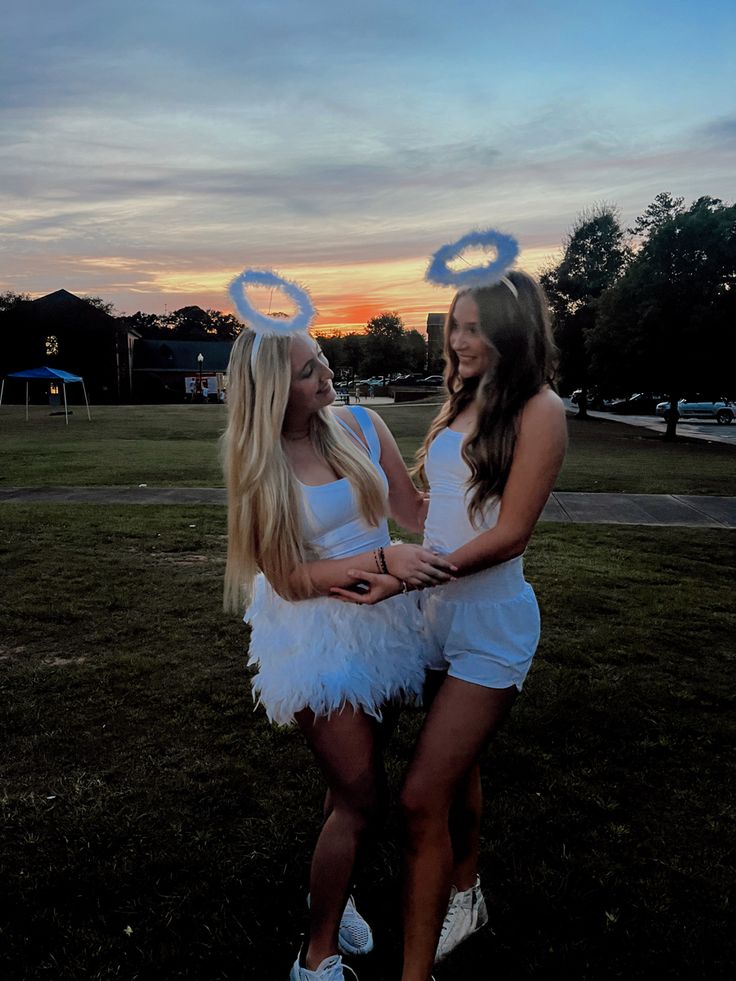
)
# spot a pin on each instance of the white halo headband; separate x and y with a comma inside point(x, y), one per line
point(488, 274)
point(262, 324)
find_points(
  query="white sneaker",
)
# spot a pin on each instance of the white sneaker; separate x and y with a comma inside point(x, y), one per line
point(465, 914)
point(354, 936)
point(331, 969)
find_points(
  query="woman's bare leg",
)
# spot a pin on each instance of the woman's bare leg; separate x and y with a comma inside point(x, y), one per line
point(384, 731)
point(460, 723)
point(345, 748)
point(465, 815)
point(466, 810)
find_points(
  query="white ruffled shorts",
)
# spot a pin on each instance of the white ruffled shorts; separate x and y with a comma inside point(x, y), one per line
point(323, 654)
point(484, 628)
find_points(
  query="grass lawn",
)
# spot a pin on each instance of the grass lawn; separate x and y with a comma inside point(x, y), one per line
point(177, 445)
point(609, 456)
point(155, 827)
point(162, 445)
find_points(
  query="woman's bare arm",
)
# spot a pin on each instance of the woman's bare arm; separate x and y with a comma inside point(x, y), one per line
point(408, 507)
point(416, 565)
point(538, 456)
point(407, 504)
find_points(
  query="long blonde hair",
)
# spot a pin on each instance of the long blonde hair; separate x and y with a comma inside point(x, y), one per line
point(518, 329)
point(264, 525)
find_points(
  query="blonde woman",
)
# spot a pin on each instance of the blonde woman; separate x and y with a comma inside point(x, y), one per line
point(490, 459)
point(309, 488)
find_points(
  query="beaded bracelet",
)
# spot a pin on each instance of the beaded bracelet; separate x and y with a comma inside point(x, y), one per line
point(381, 560)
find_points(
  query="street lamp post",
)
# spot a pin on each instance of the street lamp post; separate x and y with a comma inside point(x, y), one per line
point(200, 359)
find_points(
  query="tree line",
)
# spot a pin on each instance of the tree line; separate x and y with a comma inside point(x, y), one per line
point(189, 323)
point(651, 308)
point(386, 346)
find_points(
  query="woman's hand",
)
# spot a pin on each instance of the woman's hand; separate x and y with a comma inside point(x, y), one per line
point(379, 587)
point(418, 566)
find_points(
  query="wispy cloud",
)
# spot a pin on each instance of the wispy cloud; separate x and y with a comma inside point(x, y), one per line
point(151, 150)
point(721, 132)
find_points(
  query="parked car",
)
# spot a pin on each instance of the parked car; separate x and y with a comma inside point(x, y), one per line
point(641, 404)
point(697, 407)
point(595, 399)
point(433, 380)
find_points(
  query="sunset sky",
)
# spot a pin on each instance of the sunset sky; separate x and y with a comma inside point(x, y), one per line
point(151, 150)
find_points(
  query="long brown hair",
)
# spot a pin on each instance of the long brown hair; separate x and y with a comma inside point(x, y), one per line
point(518, 329)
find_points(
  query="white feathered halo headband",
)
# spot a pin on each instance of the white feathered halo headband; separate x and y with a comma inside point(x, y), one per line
point(487, 274)
point(262, 324)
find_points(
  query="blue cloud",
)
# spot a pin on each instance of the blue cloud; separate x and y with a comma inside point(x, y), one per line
point(327, 131)
point(721, 131)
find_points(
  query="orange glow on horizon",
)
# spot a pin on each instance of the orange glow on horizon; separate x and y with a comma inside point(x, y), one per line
point(346, 296)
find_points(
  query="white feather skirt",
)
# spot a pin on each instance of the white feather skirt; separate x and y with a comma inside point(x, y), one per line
point(323, 654)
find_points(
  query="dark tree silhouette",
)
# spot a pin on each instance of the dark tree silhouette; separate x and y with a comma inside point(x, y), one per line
point(672, 317)
point(595, 256)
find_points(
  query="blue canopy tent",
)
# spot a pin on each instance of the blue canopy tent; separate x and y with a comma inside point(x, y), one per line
point(48, 374)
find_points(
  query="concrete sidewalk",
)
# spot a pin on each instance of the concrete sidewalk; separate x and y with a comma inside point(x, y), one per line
point(687, 511)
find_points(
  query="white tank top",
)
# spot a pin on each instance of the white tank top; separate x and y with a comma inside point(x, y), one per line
point(448, 525)
point(332, 520)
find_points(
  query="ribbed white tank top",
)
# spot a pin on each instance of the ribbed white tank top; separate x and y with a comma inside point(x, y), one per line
point(448, 526)
point(332, 519)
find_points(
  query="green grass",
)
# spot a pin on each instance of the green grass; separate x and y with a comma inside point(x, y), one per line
point(161, 445)
point(610, 456)
point(172, 445)
point(155, 827)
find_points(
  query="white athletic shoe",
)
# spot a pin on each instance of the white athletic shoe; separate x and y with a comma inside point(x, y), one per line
point(331, 969)
point(354, 936)
point(465, 914)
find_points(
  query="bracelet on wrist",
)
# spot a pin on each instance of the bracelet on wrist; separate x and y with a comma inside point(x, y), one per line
point(378, 564)
point(381, 558)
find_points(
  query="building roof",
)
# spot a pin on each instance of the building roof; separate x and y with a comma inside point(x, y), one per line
point(60, 298)
point(62, 301)
point(63, 309)
point(165, 355)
